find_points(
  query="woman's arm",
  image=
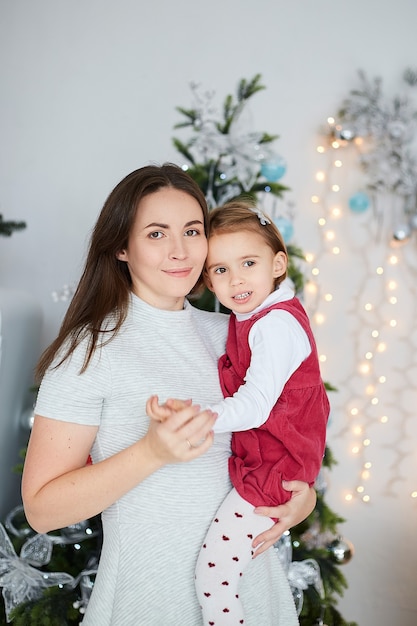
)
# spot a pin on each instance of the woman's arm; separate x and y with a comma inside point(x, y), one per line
point(59, 489)
point(290, 514)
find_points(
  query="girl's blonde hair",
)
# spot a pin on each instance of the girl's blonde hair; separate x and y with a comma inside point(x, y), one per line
point(239, 215)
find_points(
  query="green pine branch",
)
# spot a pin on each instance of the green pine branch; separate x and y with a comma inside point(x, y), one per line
point(7, 228)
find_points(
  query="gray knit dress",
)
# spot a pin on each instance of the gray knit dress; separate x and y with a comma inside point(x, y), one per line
point(153, 534)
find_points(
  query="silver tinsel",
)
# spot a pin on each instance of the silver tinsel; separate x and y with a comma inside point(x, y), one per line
point(387, 154)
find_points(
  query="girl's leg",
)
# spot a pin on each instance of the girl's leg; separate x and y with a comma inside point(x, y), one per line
point(226, 551)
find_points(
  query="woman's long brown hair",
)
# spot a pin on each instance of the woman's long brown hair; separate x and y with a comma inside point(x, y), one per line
point(105, 285)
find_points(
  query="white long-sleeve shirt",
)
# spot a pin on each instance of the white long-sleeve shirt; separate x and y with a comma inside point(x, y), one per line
point(278, 345)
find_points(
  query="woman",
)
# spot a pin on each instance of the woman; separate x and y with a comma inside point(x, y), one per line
point(130, 332)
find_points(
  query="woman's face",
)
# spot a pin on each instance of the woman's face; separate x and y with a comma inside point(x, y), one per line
point(167, 248)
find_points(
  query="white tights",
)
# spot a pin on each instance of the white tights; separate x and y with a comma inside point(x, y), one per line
point(226, 552)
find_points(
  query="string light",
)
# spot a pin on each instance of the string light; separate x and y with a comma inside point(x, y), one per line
point(373, 343)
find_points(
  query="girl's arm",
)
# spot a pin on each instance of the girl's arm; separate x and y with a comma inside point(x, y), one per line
point(290, 514)
point(278, 346)
point(59, 489)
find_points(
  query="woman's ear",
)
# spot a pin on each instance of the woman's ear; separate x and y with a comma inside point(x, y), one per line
point(280, 264)
point(122, 255)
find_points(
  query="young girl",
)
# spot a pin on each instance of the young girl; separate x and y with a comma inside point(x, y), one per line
point(275, 401)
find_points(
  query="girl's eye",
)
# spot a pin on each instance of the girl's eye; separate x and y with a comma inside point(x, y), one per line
point(156, 235)
point(248, 263)
point(220, 270)
point(192, 232)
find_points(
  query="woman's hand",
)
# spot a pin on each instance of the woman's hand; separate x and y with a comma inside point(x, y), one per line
point(290, 514)
point(178, 434)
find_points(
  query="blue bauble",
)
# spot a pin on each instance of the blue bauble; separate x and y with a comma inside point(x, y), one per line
point(359, 202)
point(285, 227)
point(274, 168)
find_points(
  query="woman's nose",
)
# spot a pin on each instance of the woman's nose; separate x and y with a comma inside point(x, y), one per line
point(178, 248)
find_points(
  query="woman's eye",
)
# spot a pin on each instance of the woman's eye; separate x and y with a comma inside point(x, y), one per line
point(155, 235)
point(192, 232)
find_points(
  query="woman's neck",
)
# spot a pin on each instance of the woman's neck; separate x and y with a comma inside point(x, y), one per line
point(163, 303)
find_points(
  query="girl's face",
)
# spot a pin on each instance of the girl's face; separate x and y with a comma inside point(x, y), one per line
point(167, 248)
point(241, 269)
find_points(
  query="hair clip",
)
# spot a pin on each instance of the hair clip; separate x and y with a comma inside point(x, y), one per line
point(262, 218)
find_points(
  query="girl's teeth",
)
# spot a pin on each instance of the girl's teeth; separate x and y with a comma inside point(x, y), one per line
point(241, 296)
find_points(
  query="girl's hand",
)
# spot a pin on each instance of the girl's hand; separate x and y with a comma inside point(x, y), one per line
point(290, 514)
point(160, 412)
point(183, 435)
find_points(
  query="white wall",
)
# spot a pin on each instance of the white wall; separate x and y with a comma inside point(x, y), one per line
point(88, 93)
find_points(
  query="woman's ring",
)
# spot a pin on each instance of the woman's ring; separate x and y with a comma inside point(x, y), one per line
point(190, 445)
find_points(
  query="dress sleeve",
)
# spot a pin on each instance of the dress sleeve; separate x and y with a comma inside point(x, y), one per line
point(69, 396)
point(278, 345)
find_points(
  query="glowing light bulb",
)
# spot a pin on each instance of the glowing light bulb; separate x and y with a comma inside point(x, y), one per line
point(322, 221)
point(319, 318)
point(315, 199)
point(379, 270)
point(369, 356)
point(328, 297)
point(335, 188)
point(368, 306)
point(384, 419)
point(320, 176)
point(348, 497)
point(366, 442)
point(336, 250)
point(338, 163)
point(366, 498)
point(336, 211)
point(393, 323)
point(321, 149)
point(315, 271)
